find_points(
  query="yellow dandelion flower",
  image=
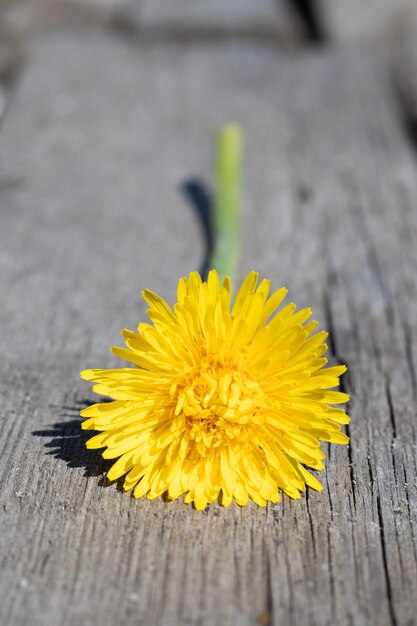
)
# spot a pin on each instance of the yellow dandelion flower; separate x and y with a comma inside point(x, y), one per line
point(223, 402)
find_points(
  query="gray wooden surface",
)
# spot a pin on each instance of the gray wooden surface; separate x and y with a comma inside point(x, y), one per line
point(99, 132)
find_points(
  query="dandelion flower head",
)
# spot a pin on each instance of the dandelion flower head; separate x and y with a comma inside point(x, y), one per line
point(224, 401)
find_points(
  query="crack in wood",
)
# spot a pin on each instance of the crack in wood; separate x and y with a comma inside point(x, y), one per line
point(391, 411)
point(332, 582)
point(385, 562)
point(311, 525)
point(269, 593)
point(410, 359)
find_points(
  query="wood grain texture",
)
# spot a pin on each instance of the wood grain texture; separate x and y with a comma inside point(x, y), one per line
point(99, 138)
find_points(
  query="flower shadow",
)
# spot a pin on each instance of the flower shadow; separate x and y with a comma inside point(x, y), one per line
point(67, 441)
point(200, 198)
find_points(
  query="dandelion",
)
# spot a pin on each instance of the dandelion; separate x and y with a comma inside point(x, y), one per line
point(224, 401)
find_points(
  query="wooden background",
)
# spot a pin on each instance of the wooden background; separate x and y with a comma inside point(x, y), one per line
point(107, 108)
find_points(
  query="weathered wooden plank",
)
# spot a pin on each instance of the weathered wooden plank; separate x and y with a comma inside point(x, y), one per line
point(89, 193)
point(357, 21)
point(341, 21)
point(87, 206)
point(200, 15)
point(344, 246)
point(405, 72)
point(279, 22)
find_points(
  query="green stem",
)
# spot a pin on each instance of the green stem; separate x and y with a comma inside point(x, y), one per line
point(227, 200)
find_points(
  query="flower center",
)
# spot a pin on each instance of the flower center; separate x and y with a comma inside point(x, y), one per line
point(217, 403)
